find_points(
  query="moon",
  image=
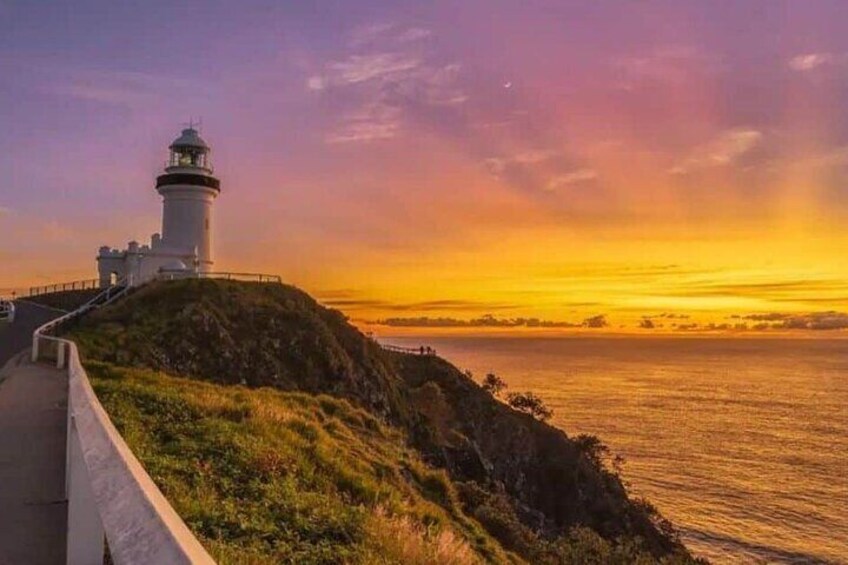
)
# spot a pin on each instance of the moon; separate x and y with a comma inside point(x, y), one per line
point(508, 84)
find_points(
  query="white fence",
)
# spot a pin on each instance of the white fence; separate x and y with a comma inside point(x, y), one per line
point(110, 496)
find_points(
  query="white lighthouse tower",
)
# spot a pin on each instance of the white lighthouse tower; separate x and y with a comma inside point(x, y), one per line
point(189, 189)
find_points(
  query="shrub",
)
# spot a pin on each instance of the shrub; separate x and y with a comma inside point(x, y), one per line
point(593, 448)
point(529, 403)
point(493, 384)
point(399, 539)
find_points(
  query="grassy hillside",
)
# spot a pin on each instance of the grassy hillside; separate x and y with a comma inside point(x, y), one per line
point(264, 476)
point(438, 456)
point(66, 300)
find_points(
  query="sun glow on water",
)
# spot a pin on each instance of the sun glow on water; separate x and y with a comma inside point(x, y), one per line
point(740, 443)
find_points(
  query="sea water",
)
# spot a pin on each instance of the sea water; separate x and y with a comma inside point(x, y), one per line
point(742, 443)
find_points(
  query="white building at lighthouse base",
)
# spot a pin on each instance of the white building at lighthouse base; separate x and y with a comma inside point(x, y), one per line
point(188, 189)
point(140, 263)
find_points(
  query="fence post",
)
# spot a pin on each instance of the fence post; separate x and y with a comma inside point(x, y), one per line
point(35, 350)
point(60, 355)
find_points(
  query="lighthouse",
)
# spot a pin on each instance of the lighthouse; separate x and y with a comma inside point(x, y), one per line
point(188, 188)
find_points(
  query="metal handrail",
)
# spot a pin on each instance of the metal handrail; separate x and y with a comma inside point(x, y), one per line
point(421, 350)
point(87, 284)
point(174, 274)
point(110, 294)
point(109, 493)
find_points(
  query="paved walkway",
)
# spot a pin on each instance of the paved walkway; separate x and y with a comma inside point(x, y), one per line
point(33, 420)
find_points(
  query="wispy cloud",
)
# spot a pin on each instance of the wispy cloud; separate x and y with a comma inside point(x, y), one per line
point(817, 321)
point(386, 32)
point(351, 302)
point(374, 121)
point(725, 149)
point(546, 170)
point(667, 64)
point(571, 178)
point(122, 88)
point(414, 34)
point(786, 290)
point(809, 61)
point(393, 79)
point(374, 66)
point(537, 156)
point(835, 157)
point(498, 165)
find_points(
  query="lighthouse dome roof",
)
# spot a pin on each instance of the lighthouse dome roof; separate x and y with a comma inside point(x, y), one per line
point(189, 138)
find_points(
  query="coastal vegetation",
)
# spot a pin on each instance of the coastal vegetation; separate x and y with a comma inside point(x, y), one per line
point(265, 476)
point(526, 402)
point(281, 433)
point(492, 383)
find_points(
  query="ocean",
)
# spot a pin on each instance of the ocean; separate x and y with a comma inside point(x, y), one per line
point(742, 443)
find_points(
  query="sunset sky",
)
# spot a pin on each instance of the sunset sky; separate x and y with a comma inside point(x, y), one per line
point(655, 164)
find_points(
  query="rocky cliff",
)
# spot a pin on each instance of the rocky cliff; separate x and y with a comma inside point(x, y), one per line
point(529, 484)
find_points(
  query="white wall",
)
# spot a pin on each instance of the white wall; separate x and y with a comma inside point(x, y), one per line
point(187, 220)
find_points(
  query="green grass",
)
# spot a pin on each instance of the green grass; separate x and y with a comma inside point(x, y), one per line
point(264, 476)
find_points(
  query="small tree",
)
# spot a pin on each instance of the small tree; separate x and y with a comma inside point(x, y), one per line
point(493, 384)
point(529, 403)
point(593, 448)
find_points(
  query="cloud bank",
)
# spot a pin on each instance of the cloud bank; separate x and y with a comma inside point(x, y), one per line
point(489, 321)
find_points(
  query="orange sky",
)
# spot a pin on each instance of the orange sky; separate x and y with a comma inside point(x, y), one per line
point(678, 162)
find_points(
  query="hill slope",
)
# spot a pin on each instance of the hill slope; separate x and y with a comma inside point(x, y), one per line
point(264, 476)
point(528, 484)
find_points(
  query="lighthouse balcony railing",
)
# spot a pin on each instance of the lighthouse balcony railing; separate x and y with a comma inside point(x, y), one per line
point(110, 495)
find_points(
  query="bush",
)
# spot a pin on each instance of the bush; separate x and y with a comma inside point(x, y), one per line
point(529, 403)
point(399, 539)
point(593, 448)
point(493, 384)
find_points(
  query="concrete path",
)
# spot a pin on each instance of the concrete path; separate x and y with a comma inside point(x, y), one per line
point(33, 420)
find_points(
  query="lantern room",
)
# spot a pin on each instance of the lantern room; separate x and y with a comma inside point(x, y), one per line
point(190, 151)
